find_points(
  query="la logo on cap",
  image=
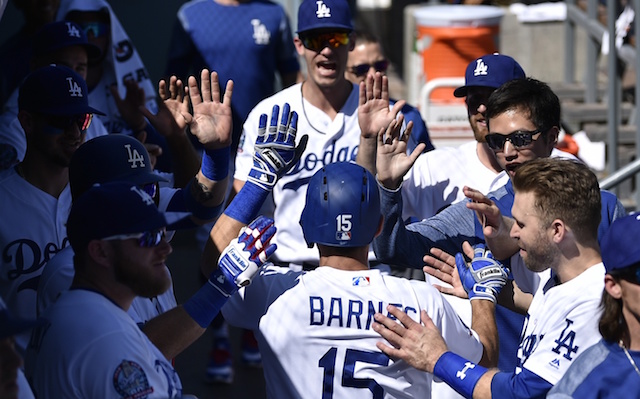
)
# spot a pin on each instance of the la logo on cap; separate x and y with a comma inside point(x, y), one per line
point(134, 157)
point(72, 31)
point(143, 195)
point(481, 68)
point(74, 88)
point(323, 11)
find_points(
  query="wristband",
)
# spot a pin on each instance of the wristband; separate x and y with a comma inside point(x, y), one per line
point(247, 203)
point(215, 163)
point(459, 373)
point(205, 304)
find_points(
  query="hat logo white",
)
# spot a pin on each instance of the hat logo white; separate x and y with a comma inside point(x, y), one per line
point(481, 68)
point(134, 157)
point(72, 31)
point(143, 195)
point(74, 88)
point(323, 11)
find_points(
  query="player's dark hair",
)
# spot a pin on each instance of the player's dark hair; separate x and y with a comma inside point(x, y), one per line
point(365, 37)
point(563, 189)
point(612, 324)
point(530, 96)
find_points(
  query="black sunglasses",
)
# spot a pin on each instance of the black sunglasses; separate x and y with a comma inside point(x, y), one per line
point(362, 69)
point(59, 124)
point(519, 139)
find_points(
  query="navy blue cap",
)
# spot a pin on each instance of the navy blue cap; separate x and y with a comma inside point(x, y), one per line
point(113, 209)
point(62, 34)
point(491, 70)
point(619, 246)
point(114, 157)
point(324, 14)
point(55, 90)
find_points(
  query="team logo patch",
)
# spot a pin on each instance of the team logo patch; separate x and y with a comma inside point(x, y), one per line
point(360, 281)
point(481, 68)
point(130, 381)
point(261, 34)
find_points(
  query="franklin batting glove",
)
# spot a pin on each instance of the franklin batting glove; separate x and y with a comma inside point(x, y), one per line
point(275, 149)
point(484, 277)
point(244, 256)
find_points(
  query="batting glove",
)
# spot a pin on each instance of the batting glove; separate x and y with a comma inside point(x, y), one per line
point(242, 258)
point(484, 277)
point(275, 150)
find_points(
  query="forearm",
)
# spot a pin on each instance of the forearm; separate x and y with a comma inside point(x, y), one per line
point(185, 159)
point(223, 232)
point(366, 156)
point(483, 322)
point(173, 331)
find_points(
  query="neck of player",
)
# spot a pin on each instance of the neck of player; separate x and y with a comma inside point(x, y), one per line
point(344, 258)
point(330, 99)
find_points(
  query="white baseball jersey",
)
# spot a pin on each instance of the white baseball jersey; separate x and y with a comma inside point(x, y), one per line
point(329, 141)
point(437, 178)
point(561, 323)
point(91, 348)
point(58, 273)
point(315, 336)
point(31, 233)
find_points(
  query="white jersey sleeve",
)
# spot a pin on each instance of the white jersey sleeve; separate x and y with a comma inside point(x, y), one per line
point(561, 323)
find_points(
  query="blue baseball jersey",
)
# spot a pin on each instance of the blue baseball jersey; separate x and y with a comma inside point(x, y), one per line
point(248, 43)
point(602, 371)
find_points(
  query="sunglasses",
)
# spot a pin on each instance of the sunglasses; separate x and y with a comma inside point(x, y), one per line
point(60, 124)
point(318, 41)
point(98, 29)
point(519, 139)
point(363, 69)
point(148, 239)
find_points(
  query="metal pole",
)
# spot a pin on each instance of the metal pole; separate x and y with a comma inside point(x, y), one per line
point(569, 40)
point(593, 49)
point(612, 90)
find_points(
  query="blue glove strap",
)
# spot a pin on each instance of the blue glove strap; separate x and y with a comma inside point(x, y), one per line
point(205, 304)
point(246, 204)
point(215, 163)
point(459, 373)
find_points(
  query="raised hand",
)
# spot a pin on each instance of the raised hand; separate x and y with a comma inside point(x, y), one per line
point(442, 266)
point(244, 256)
point(373, 105)
point(392, 161)
point(484, 277)
point(211, 122)
point(130, 106)
point(275, 149)
point(173, 111)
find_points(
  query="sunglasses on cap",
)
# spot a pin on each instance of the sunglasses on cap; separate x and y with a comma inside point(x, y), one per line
point(97, 29)
point(60, 124)
point(148, 239)
point(519, 139)
point(362, 69)
point(318, 41)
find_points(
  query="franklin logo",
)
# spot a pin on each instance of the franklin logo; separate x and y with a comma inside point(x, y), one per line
point(135, 159)
point(74, 88)
point(72, 31)
point(481, 68)
point(260, 33)
point(323, 11)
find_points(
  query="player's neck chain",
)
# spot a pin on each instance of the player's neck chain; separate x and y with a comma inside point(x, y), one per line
point(626, 352)
point(304, 111)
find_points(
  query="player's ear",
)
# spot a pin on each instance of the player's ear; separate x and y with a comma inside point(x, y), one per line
point(612, 287)
point(99, 251)
point(299, 46)
point(352, 41)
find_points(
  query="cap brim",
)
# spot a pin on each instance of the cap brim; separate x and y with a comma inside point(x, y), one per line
point(71, 110)
point(139, 178)
point(460, 91)
point(325, 27)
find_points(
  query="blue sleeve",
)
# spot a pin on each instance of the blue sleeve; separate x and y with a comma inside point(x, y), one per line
point(612, 209)
point(405, 245)
point(519, 386)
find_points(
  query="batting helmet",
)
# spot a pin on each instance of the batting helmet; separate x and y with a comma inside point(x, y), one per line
point(110, 158)
point(342, 208)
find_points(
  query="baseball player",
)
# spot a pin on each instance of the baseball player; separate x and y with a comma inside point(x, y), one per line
point(60, 43)
point(123, 158)
point(328, 311)
point(367, 56)
point(609, 369)
point(35, 197)
point(327, 105)
point(90, 347)
point(557, 212)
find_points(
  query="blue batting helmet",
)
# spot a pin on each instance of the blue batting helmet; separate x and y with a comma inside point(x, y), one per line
point(342, 208)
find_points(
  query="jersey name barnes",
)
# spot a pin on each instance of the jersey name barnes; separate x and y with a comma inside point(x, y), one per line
point(348, 313)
